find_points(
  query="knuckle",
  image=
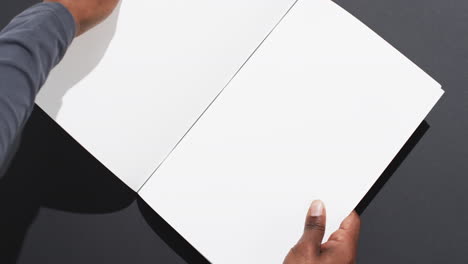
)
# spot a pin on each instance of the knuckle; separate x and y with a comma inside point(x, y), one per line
point(315, 226)
point(337, 236)
point(341, 235)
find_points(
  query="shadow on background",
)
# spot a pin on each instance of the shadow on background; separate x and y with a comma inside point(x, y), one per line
point(170, 236)
point(55, 172)
point(393, 166)
point(52, 171)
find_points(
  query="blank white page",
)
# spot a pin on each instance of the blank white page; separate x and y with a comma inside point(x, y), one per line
point(129, 89)
point(318, 112)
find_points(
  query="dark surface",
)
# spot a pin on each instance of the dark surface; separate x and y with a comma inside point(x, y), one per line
point(416, 213)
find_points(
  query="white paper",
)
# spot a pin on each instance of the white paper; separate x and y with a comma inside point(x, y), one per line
point(318, 112)
point(129, 89)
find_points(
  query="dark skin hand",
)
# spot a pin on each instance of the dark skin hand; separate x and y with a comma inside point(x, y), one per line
point(88, 13)
point(342, 245)
point(340, 248)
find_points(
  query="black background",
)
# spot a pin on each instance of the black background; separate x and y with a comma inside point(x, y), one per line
point(59, 205)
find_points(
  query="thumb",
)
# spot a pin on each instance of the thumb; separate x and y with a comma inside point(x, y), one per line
point(314, 229)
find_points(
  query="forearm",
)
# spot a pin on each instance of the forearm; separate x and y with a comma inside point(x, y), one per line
point(30, 46)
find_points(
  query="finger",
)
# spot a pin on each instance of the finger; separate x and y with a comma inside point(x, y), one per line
point(344, 241)
point(351, 226)
point(315, 225)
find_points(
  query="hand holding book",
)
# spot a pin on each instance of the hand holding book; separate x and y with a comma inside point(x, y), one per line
point(340, 248)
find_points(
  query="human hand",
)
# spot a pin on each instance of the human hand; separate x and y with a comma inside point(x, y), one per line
point(339, 249)
point(88, 13)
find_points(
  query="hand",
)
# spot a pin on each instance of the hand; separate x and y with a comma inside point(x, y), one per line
point(339, 249)
point(88, 13)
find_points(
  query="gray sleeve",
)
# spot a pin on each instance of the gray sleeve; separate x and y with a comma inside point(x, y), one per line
point(30, 46)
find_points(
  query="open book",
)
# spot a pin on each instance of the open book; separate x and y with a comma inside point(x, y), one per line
point(230, 117)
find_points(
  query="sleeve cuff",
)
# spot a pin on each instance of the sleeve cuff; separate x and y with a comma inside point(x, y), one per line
point(60, 12)
point(65, 17)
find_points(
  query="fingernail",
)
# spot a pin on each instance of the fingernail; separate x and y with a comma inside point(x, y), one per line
point(316, 209)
